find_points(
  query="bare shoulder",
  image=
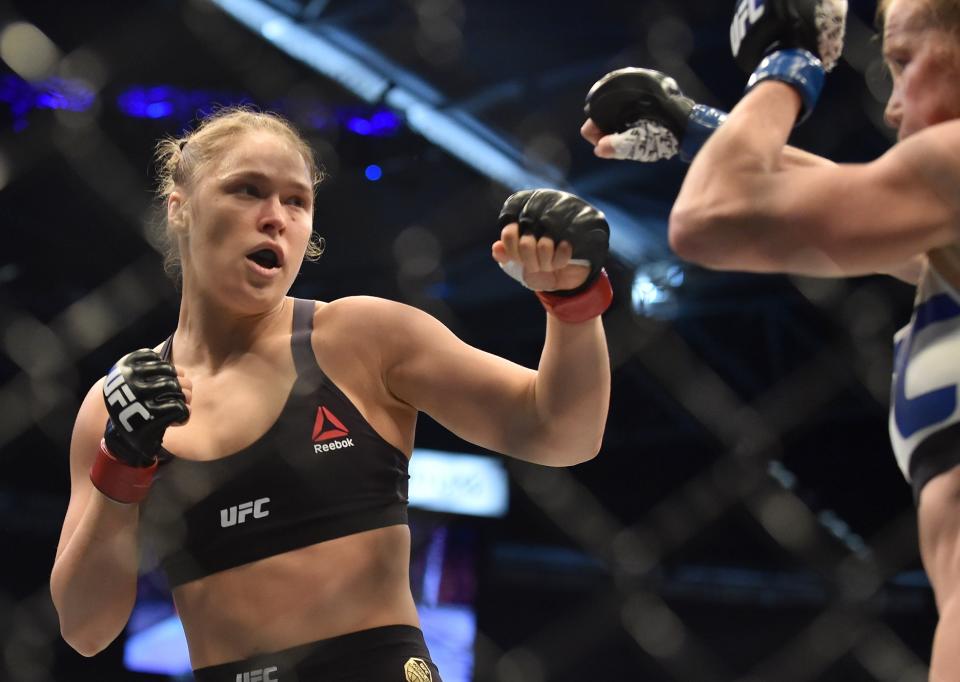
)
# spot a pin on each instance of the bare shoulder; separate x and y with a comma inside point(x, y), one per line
point(933, 154)
point(370, 315)
point(374, 331)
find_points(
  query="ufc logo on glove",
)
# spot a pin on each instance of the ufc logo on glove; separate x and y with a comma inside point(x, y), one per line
point(748, 13)
point(117, 392)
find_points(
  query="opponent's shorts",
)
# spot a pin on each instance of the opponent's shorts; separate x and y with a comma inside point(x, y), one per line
point(394, 653)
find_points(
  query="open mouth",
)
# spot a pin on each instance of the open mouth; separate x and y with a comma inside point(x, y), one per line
point(265, 258)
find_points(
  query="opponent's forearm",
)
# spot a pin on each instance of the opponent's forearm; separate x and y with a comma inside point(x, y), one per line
point(752, 141)
point(94, 579)
point(726, 202)
point(572, 392)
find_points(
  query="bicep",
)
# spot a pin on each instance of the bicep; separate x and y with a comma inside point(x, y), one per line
point(478, 396)
point(87, 432)
point(840, 220)
point(871, 217)
point(793, 157)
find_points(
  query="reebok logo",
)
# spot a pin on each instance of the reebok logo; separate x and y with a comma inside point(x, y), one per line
point(326, 428)
point(258, 675)
point(334, 445)
point(231, 516)
point(748, 13)
point(116, 390)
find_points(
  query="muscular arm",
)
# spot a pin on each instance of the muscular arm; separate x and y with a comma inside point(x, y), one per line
point(554, 415)
point(94, 576)
point(742, 208)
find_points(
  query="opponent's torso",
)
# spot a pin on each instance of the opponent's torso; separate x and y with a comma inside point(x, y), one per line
point(924, 417)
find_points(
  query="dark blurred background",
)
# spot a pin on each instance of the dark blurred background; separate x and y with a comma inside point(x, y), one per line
point(745, 519)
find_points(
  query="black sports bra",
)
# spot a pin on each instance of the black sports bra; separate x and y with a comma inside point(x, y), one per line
point(320, 472)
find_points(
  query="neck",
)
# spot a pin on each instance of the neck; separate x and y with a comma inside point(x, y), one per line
point(946, 261)
point(210, 336)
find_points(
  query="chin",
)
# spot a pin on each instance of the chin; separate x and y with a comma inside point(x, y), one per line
point(247, 299)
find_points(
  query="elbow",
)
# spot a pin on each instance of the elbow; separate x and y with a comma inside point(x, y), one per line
point(568, 452)
point(712, 235)
point(692, 234)
point(558, 456)
point(683, 235)
point(585, 456)
point(84, 641)
point(589, 451)
point(89, 633)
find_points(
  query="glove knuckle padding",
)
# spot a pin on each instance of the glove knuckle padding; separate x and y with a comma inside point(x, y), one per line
point(167, 410)
point(510, 213)
point(156, 368)
point(159, 384)
point(143, 397)
point(761, 26)
point(562, 217)
point(623, 98)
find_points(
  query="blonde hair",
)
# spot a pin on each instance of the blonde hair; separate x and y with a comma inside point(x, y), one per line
point(180, 160)
point(943, 13)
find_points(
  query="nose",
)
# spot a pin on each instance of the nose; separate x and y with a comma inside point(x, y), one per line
point(271, 219)
point(893, 112)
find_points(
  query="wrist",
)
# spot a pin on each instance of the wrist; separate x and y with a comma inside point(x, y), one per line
point(119, 481)
point(582, 306)
point(701, 124)
point(799, 69)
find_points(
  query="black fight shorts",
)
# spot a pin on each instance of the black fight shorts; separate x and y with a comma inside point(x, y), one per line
point(394, 653)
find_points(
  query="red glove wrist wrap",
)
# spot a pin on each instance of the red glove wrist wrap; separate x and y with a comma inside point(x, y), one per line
point(584, 306)
point(118, 481)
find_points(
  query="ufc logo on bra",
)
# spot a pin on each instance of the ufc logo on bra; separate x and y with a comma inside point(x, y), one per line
point(117, 391)
point(231, 516)
point(748, 13)
point(261, 675)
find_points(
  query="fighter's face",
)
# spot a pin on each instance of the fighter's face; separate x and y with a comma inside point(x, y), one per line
point(924, 61)
point(250, 217)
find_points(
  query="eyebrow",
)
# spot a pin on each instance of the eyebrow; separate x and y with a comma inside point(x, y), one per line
point(263, 177)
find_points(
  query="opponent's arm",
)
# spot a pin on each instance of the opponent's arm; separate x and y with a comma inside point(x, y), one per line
point(738, 210)
point(642, 115)
point(556, 414)
point(741, 208)
point(93, 582)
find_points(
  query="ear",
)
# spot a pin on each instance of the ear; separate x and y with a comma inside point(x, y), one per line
point(177, 215)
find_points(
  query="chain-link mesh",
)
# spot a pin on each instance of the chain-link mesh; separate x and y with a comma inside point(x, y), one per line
point(715, 461)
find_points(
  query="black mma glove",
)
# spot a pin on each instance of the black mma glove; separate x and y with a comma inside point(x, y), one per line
point(565, 217)
point(143, 397)
point(647, 117)
point(793, 41)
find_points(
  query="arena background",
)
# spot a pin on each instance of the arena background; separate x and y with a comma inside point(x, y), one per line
point(745, 519)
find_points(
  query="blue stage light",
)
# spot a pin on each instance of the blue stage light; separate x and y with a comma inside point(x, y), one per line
point(150, 102)
point(373, 172)
point(653, 293)
point(360, 126)
point(52, 93)
point(158, 110)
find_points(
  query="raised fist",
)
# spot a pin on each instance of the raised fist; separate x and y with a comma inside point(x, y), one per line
point(143, 397)
point(760, 27)
point(645, 117)
point(562, 217)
